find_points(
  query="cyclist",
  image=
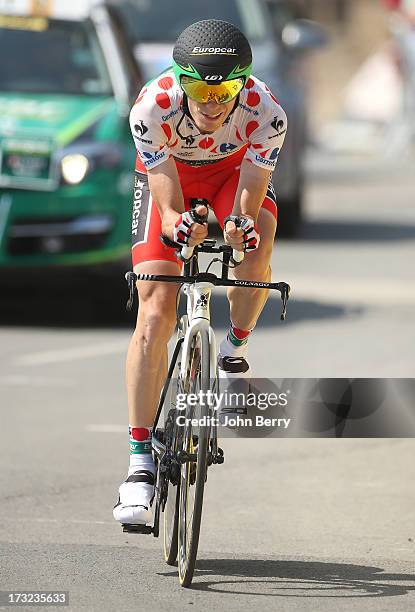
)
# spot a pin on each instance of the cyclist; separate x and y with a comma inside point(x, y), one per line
point(204, 129)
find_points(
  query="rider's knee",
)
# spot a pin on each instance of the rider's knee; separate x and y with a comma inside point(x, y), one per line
point(256, 264)
point(157, 316)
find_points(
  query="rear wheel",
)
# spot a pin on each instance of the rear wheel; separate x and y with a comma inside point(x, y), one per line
point(171, 521)
point(173, 438)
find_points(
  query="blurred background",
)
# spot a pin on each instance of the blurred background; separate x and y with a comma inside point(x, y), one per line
point(342, 69)
point(344, 72)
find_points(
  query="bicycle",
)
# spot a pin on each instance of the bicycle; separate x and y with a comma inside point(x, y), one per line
point(188, 444)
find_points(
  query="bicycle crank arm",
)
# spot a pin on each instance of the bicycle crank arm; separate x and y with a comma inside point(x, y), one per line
point(137, 528)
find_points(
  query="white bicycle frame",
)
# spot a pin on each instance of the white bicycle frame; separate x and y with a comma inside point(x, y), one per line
point(198, 322)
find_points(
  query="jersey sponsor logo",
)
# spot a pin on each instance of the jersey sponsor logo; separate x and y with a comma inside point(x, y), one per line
point(227, 147)
point(278, 125)
point(274, 153)
point(213, 50)
point(141, 213)
point(149, 159)
point(138, 200)
point(266, 162)
point(170, 115)
point(271, 191)
point(184, 154)
point(144, 140)
point(140, 128)
point(248, 110)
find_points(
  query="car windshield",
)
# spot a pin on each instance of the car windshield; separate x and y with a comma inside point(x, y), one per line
point(163, 20)
point(51, 56)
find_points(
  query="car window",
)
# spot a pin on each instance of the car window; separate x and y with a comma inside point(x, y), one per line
point(51, 56)
point(163, 20)
point(282, 12)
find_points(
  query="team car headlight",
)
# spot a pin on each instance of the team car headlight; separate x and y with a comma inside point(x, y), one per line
point(74, 168)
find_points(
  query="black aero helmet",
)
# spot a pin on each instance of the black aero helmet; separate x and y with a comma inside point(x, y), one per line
point(213, 51)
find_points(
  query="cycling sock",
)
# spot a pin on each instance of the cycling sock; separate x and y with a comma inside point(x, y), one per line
point(236, 341)
point(237, 336)
point(140, 450)
point(229, 349)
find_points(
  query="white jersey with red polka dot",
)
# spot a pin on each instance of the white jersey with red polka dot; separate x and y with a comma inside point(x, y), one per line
point(160, 129)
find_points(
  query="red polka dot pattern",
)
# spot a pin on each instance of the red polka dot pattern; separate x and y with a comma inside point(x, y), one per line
point(167, 130)
point(238, 135)
point(166, 83)
point(249, 84)
point(253, 99)
point(251, 127)
point(206, 143)
point(141, 96)
point(163, 100)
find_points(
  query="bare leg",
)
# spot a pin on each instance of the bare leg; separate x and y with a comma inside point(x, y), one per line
point(146, 365)
point(246, 304)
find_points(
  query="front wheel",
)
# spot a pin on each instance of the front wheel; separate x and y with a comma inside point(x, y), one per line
point(194, 469)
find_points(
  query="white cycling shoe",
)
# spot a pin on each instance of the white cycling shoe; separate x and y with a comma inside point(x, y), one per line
point(135, 497)
point(232, 361)
point(235, 375)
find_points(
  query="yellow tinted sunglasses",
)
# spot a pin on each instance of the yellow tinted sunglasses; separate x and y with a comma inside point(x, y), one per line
point(203, 92)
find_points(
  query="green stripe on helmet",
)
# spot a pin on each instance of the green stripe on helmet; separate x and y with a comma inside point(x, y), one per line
point(239, 72)
point(188, 70)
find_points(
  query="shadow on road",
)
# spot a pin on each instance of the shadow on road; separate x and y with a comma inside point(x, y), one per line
point(83, 303)
point(298, 579)
point(356, 231)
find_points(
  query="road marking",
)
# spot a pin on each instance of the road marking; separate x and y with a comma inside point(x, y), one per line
point(72, 354)
point(50, 520)
point(106, 428)
point(372, 292)
point(31, 381)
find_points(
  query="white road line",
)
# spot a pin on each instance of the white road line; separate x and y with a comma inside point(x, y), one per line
point(32, 381)
point(50, 520)
point(72, 354)
point(106, 428)
point(372, 292)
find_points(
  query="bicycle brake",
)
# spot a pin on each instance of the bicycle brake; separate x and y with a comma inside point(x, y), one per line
point(131, 279)
point(285, 294)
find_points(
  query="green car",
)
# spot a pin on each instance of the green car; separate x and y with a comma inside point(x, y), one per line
point(66, 155)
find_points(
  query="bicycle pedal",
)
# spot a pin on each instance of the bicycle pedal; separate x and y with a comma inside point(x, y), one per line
point(146, 529)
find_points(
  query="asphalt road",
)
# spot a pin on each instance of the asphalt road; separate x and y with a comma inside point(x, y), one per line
point(293, 524)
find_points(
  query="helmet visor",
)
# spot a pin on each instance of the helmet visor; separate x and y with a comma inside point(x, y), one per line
point(203, 92)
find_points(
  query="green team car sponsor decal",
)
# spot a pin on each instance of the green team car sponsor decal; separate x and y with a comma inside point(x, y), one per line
point(32, 130)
